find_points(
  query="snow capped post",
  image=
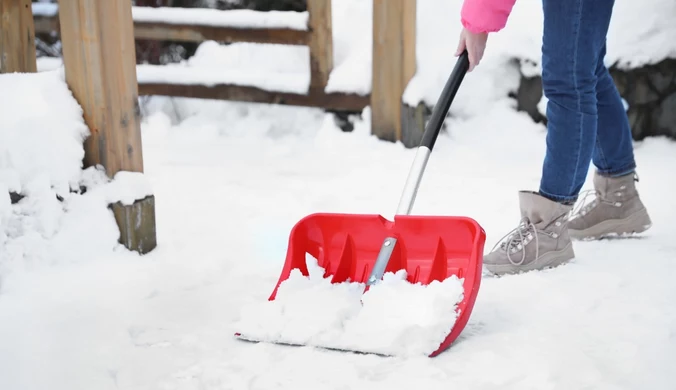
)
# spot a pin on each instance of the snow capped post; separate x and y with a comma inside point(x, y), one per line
point(394, 64)
point(100, 66)
point(17, 37)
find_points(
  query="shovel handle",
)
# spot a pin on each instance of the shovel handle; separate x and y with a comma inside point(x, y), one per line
point(444, 104)
point(420, 162)
point(431, 133)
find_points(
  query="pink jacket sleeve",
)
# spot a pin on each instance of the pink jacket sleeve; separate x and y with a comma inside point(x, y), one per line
point(485, 15)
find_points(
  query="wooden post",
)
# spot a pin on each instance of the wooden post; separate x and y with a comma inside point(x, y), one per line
point(100, 65)
point(394, 64)
point(17, 37)
point(320, 43)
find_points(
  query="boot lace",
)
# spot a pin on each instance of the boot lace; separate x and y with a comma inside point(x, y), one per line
point(517, 239)
point(523, 234)
point(583, 206)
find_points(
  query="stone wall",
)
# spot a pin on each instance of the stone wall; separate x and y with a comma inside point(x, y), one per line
point(650, 92)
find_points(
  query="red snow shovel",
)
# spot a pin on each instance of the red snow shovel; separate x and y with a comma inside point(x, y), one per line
point(363, 247)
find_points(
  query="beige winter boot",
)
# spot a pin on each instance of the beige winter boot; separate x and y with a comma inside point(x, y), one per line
point(616, 210)
point(540, 241)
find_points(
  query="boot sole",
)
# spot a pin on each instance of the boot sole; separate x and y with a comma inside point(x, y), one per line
point(548, 260)
point(636, 223)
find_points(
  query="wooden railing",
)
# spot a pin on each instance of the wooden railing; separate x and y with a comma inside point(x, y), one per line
point(393, 60)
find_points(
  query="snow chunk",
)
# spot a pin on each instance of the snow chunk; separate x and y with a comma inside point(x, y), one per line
point(128, 187)
point(394, 317)
point(125, 187)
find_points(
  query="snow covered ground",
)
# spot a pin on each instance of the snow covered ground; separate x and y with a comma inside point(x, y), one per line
point(231, 179)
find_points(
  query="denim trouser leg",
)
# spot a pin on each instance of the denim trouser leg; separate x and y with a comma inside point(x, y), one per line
point(581, 101)
point(614, 149)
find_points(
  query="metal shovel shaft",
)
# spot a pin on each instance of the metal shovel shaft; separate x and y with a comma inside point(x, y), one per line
point(422, 156)
point(431, 134)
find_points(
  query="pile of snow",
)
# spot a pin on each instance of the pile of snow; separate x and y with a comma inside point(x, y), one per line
point(394, 317)
point(40, 141)
point(41, 150)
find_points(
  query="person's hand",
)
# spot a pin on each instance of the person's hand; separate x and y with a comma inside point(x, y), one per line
point(475, 43)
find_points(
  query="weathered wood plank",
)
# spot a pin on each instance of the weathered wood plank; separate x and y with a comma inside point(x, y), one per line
point(194, 33)
point(17, 37)
point(137, 224)
point(316, 98)
point(320, 42)
point(105, 87)
point(394, 64)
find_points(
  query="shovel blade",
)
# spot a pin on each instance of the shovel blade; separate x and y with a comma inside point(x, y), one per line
point(428, 248)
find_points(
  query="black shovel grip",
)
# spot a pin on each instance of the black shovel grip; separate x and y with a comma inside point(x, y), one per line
point(440, 110)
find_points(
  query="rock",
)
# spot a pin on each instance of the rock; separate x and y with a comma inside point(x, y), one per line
point(15, 198)
point(344, 120)
point(665, 117)
point(528, 96)
point(650, 92)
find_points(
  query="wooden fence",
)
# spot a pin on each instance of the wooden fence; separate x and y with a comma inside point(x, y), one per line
point(107, 87)
point(394, 24)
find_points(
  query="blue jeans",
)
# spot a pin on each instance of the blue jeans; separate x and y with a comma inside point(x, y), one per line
point(586, 118)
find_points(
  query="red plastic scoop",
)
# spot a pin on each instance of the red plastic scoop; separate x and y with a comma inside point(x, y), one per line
point(362, 248)
point(429, 248)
